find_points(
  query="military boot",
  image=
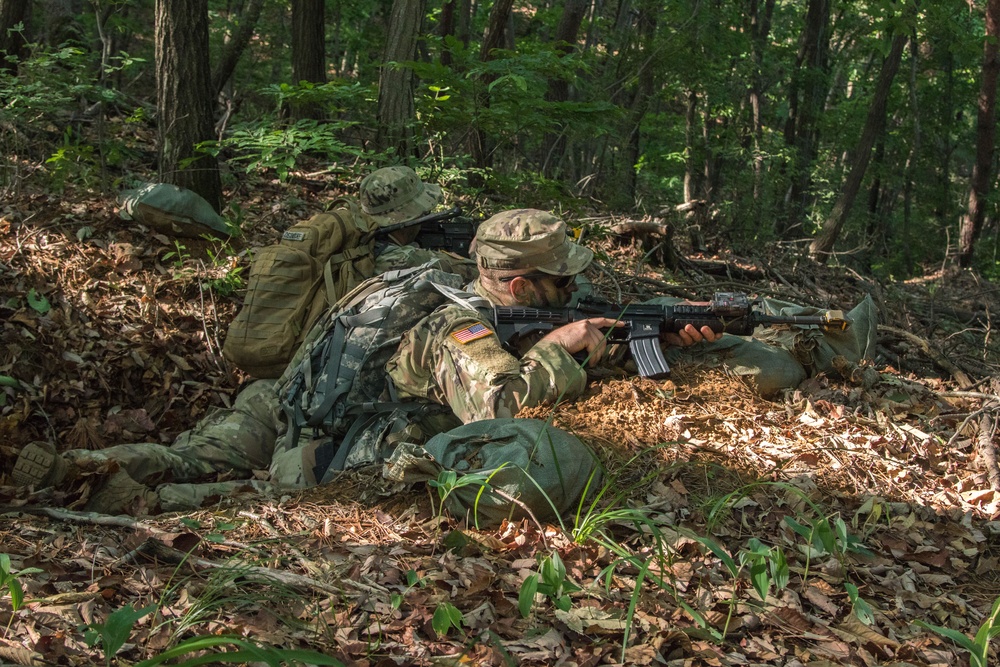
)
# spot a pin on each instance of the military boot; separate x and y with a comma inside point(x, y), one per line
point(121, 494)
point(39, 465)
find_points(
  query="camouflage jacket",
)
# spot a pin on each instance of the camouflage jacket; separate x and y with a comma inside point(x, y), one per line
point(395, 257)
point(453, 357)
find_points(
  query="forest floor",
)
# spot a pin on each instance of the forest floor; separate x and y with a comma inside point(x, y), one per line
point(819, 528)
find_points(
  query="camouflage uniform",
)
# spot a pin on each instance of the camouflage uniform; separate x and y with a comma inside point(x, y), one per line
point(241, 440)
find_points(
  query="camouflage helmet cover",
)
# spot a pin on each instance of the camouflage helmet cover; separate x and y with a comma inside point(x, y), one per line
point(396, 194)
point(528, 238)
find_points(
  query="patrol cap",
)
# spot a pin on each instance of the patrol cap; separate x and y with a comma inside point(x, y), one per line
point(396, 194)
point(528, 238)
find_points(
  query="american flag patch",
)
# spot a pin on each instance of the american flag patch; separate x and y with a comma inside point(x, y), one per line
point(471, 333)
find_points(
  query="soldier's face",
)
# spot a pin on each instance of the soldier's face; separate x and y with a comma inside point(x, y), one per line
point(551, 291)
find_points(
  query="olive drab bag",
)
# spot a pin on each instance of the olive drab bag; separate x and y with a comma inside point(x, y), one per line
point(337, 384)
point(294, 281)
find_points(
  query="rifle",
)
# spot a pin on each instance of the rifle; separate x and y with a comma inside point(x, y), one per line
point(728, 312)
point(447, 230)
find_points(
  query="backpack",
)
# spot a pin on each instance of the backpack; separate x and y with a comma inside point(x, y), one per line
point(337, 385)
point(293, 282)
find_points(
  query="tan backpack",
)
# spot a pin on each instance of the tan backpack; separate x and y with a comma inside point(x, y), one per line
point(294, 281)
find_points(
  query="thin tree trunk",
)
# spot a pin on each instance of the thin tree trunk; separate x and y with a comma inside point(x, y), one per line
point(12, 12)
point(446, 30)
point(972, 221)
point(308, 51)
point(567, 32)
point(821, 247)
point(760, 28)
point(184, 97)
point(396, 112)
point(481, 148)
point(801, 131)
point(247, 23)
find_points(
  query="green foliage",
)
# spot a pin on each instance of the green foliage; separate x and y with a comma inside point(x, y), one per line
point(179, 255)
point(10, 579)
point(448, 481)
point(38, 302)
point(860, 608)
point(767, 566)
point(446, 616)
point(113, 633)
point(246, 652)
point(979, 646)
point(262, 147)
point(551, 581)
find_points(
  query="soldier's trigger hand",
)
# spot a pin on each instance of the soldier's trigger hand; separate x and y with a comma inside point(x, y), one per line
point(584, 336)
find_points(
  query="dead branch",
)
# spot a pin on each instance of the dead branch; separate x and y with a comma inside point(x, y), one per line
point(960, 376)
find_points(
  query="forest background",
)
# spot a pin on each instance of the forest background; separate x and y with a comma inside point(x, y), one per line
point(815, 151)
point(865, 129)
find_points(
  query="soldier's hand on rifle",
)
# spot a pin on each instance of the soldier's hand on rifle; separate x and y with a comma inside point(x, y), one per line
point(689, 335)
point(584, 336)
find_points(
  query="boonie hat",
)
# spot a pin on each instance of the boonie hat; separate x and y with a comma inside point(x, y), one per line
point(396, 194)
point(528, 238)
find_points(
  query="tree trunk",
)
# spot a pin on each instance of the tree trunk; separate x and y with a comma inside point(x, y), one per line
point(184, 97)
point(308, 52)
point(972, 221)
point(246, 24)
point(565, 39)
point(481, 148)
point(396, 112)
point(806, 95)
point(760, 28)
point(821, 247)
point(12, 12)
point(446, 30)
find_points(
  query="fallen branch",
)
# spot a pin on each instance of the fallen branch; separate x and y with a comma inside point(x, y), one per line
point(925, 346)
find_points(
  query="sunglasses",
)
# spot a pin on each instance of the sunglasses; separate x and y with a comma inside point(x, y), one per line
point(560, 282)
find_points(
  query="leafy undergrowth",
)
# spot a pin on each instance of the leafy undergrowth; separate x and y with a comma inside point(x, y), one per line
point(831, 526)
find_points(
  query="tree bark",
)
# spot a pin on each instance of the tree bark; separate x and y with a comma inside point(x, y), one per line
point(972, 221)
point(821, 247)
point(12, 12)
point(565, 38)
point(246, 25)
point(308, 52)
point(184, 97)
point(396, 112)
point(481, 148)
point(805, 102)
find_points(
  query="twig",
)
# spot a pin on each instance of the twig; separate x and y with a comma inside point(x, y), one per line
point(541, 529)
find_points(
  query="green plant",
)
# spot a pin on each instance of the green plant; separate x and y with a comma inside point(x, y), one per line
point(10, 579)
point(979, 646)
point(412, 580)
point(446, 617)
point(113, 633)
point(766, 565)
point(448, 481)
point(8, 385)
point(827, 536)
point(179, 254)
point(246, 652)
point(552, 581)
point(861, 609)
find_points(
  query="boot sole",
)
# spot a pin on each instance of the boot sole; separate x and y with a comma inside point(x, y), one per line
point(33, 465)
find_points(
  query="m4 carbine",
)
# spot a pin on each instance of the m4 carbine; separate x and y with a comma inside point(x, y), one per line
point(645, 324)
point(448, 230)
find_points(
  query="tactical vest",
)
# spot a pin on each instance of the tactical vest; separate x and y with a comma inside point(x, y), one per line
point(337, 385)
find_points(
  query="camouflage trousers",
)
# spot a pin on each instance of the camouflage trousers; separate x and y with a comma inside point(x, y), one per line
point(239, 442)
point(777, 358)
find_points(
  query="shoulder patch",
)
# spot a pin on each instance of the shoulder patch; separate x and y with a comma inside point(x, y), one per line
point(471, 333)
